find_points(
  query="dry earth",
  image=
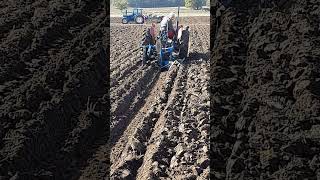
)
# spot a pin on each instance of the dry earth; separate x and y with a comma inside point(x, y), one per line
point(265, 84)
point(159, 120)
point(53, 88)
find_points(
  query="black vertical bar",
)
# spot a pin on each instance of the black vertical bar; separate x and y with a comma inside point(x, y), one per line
point(178, 17)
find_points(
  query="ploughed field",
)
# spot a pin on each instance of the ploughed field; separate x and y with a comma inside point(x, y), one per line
point(159, 120)
point(266, 91)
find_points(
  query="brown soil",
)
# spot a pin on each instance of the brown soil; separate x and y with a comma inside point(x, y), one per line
point(53, 87)
point(159, 120)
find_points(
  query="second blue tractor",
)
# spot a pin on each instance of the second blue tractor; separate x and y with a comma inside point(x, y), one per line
point(135, 15)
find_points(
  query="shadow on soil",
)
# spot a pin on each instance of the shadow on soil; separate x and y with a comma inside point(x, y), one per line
point(198, 58)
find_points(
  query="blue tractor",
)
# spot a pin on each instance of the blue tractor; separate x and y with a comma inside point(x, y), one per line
point(134, 15)
point(164, 49)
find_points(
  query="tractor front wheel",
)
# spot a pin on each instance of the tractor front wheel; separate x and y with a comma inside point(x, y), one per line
point(139, 19)
point(124, 21)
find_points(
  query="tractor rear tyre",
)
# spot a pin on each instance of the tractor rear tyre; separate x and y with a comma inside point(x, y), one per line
point(139, 19)
point(124, 21)
point(184, 46)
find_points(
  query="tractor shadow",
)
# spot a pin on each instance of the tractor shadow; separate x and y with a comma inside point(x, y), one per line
point(198, 58)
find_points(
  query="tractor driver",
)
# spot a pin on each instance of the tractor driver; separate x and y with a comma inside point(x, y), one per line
point(167, 22)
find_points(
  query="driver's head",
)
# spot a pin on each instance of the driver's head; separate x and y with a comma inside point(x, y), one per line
point(171, 16)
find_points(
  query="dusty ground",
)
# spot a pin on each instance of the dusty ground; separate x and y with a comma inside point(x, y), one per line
point(265, 92)
point(53, 88)
point(159, 120)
